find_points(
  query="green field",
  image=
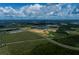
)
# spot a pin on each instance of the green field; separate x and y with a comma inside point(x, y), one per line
point(21, 43)
point(31, 43)
point(22, 36)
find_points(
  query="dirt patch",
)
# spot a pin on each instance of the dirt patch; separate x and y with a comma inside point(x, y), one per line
point(42, 32)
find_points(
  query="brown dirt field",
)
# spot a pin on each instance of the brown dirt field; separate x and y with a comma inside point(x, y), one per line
point(41, 32)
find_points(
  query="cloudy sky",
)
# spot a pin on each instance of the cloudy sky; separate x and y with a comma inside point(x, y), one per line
point(39, 11)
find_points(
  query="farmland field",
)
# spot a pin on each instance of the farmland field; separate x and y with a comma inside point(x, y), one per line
point(33, 41)
point(21, 43)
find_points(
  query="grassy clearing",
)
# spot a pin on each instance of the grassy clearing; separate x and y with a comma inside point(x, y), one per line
point(31, 40)
point(4, 51)
point(25, 47)
point(22, 36)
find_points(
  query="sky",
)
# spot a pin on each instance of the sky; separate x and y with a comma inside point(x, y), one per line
point(39, 11)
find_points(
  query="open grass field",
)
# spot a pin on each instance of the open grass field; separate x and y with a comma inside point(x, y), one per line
point(30, 42)
point(21, 43)
point(22, 36)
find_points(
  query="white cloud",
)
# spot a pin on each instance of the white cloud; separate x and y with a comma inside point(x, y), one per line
point(38, 11)
point(32, 10)
point(35, 7)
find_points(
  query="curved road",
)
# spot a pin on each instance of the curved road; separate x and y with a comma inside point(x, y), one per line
point(62, 45)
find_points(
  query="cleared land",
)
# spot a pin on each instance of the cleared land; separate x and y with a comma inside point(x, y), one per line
point(30, 41)
point(22, 42)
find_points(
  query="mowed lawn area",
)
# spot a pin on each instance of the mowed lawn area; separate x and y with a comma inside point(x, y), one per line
point(21, 43)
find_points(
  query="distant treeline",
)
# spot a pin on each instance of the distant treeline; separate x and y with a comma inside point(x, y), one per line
point(3, 23)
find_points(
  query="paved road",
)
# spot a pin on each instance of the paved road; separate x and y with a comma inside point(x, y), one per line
point(62, 45)
point(50, 40)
